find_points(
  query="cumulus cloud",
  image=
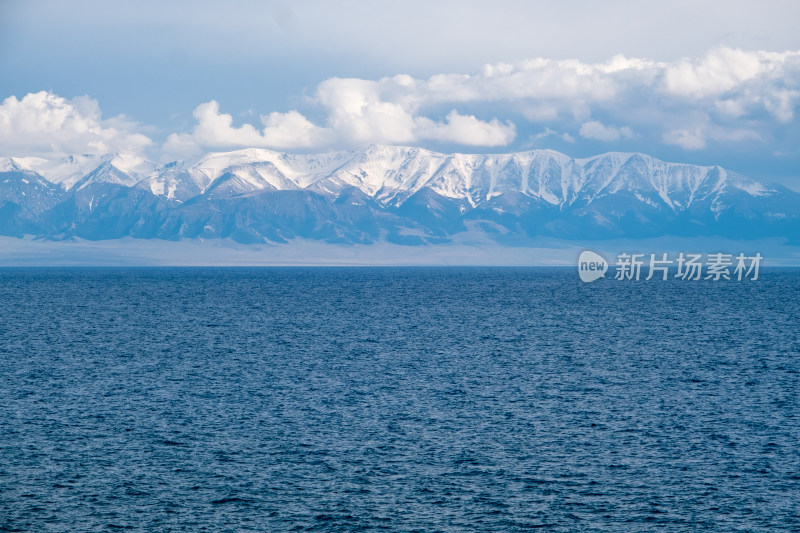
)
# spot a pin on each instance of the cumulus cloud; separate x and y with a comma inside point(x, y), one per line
point(601, 132)
point(359, 112)
point(216, 130)
point(547, 132)
point(289, 130)
point(728, 95)
point(466, 130)
point(688, 139)
point(719, 71)
point(696, 136)
point(44, 124)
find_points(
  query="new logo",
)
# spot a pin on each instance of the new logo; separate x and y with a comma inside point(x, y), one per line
point(591, 266)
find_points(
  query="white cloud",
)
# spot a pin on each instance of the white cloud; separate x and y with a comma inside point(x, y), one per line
point(726, 96)
point(548, 132)
point(599, 131)
point(359, 112)
point(720, 70)
point(215, 130)
point(685, 138)
point(660, 101)
point(466, 130)
point(698, 129)
point(782, 103)
point(44, 124)
point(292, 130)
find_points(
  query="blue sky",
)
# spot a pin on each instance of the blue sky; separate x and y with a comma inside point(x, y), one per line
point(717, 82)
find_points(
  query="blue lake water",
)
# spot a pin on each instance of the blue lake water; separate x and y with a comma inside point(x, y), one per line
point(397, 399)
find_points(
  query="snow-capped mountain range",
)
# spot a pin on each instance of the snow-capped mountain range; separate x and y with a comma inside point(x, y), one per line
point(399, 194)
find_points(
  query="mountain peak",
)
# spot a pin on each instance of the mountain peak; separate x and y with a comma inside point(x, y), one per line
point(534, 192)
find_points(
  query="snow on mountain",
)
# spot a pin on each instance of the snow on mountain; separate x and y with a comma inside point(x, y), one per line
point(108, 172)
point(64, 171)
point(125, 169)
point(27, 188)
point(408, 194)
point(390, 174)
point(228, 174)
point(383, 172)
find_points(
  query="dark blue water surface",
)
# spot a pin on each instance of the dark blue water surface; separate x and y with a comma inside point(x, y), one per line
point(397, 399)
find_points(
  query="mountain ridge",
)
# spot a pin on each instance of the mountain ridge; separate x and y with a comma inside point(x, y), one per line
point(403, 194)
